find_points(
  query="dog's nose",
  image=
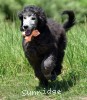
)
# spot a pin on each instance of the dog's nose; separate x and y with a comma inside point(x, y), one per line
point(25, 27)
point(33, 18)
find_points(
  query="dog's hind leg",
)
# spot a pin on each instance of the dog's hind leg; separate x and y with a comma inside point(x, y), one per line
point(59, 66)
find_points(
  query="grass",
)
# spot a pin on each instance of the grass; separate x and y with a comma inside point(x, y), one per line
point(53, 8)
point(17, 77)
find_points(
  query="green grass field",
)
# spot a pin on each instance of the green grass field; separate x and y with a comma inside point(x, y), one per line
point(17, 80)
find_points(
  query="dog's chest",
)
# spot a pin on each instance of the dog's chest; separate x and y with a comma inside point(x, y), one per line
point(35, 51)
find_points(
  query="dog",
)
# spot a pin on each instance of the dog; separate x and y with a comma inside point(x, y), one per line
point(44, 41)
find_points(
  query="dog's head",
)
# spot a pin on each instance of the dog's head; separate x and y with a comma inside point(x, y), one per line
point(32, 18)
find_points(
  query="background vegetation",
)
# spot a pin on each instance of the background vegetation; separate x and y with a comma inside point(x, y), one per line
point(16, 75)
point(53, 8)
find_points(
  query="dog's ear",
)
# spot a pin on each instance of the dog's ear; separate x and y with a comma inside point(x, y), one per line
point(42, 20)
point(20, 15)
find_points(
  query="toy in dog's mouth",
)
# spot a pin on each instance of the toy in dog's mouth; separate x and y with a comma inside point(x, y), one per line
point(28, 34)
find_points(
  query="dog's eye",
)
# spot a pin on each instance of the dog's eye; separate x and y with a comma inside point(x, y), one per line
point(24, 17)
point(29, 15)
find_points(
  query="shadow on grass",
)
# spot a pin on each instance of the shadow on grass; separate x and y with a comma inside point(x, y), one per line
point(62, 85)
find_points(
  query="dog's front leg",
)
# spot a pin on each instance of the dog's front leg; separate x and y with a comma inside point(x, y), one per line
point(47, 65)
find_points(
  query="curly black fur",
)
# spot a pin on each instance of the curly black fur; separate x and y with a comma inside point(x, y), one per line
point(46, 51)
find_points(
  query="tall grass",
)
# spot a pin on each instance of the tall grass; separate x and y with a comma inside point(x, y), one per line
point(12, 59)
point(17, 75)
point(53, 8)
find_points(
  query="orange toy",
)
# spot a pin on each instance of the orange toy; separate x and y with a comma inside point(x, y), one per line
point(34, 33)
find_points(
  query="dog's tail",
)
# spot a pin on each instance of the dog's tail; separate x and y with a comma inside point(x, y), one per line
point(71, 19)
